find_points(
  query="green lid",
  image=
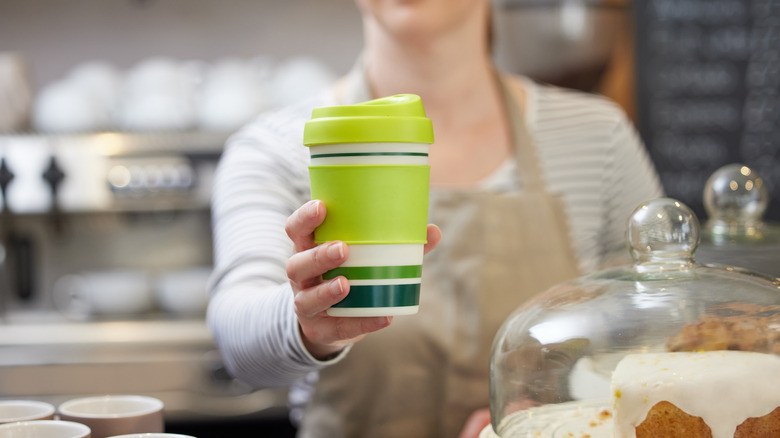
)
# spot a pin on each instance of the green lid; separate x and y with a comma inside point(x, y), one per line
point(399, 118)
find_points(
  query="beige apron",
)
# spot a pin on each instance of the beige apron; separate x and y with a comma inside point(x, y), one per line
point(426, 373)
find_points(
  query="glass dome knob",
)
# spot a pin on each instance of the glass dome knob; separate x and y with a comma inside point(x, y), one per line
point(663, 233)
point(735, 193)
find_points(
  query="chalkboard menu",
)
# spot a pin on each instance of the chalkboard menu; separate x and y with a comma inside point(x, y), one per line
point(708, 78)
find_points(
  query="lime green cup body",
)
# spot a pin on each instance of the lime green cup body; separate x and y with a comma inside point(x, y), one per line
point(369, 165)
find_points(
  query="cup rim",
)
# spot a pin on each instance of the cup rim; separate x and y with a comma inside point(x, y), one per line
point(74, 426)
point(151, 435)
point(48, 409)
point(66, 407)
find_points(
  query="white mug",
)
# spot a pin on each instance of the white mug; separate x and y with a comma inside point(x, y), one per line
point(183, 292)
point(111, 292)
point(44, 429)
point(112, 415)
point(12, 411)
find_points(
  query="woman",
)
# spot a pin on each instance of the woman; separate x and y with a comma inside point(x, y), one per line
point(530, 186)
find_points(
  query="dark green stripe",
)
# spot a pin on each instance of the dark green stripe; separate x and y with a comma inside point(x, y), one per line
point(375, 272)
point(386, 295)
point(366, 154)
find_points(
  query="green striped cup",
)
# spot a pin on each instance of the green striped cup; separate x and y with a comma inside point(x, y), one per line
point(369, 165)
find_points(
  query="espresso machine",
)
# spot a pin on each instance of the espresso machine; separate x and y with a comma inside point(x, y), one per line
point(105, 257)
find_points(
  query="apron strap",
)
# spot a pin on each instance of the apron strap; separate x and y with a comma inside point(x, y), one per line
point(528, 167)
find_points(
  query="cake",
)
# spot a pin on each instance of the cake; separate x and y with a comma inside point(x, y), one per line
point(733, 326)
point(717, 394)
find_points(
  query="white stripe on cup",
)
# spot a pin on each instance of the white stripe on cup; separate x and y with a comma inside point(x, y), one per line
point(322, 155)
point(393, 160)
point(341, 148)
point(385, 255)
point(382, 282)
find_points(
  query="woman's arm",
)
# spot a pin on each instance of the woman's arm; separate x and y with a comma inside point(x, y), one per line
point(269, 302)
point(260, 181)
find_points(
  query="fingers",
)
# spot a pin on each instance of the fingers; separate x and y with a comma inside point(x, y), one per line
point(328, 335)
point(349, 329)
point(476, 422)
point(433, 237)
point(313, 301)
point(322, 334)
point(328, 345)
point(305, 268)
point(302, 222)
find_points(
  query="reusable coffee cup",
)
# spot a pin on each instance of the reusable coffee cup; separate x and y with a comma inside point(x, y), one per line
point(12, 411)
point(112, 415)
point(369, 165)
point(44, 429)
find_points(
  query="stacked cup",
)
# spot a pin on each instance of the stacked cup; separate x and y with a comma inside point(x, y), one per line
point(12, 411)
point(369, 165)
point(85, 417)
point(35, 419)
point(112, 415)
point(45, 429)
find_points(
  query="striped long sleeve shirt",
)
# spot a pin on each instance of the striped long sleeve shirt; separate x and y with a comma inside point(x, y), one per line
point(589, 153)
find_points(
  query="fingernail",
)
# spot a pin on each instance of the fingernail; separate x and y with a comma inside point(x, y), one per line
point(335, 287)
point(314, 208)
point(335, 251)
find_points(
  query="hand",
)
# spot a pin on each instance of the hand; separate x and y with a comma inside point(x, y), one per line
point(475, 423)
point(324, 335)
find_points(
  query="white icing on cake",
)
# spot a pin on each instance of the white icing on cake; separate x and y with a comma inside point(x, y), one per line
point(724, 388)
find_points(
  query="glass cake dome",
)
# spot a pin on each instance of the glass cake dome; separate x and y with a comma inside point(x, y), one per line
point(553, 358)
point(735, 233)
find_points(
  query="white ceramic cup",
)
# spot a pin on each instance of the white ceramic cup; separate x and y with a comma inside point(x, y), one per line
point(12, 411)
point(110, 292)
point(112, 415)
point(183, 292)
point(44, 429)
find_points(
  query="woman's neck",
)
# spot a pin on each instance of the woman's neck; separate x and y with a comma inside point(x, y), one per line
point(454, 76)
point(445, 71)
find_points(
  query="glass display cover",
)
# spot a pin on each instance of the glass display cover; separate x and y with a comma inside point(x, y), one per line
point(553, 358)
